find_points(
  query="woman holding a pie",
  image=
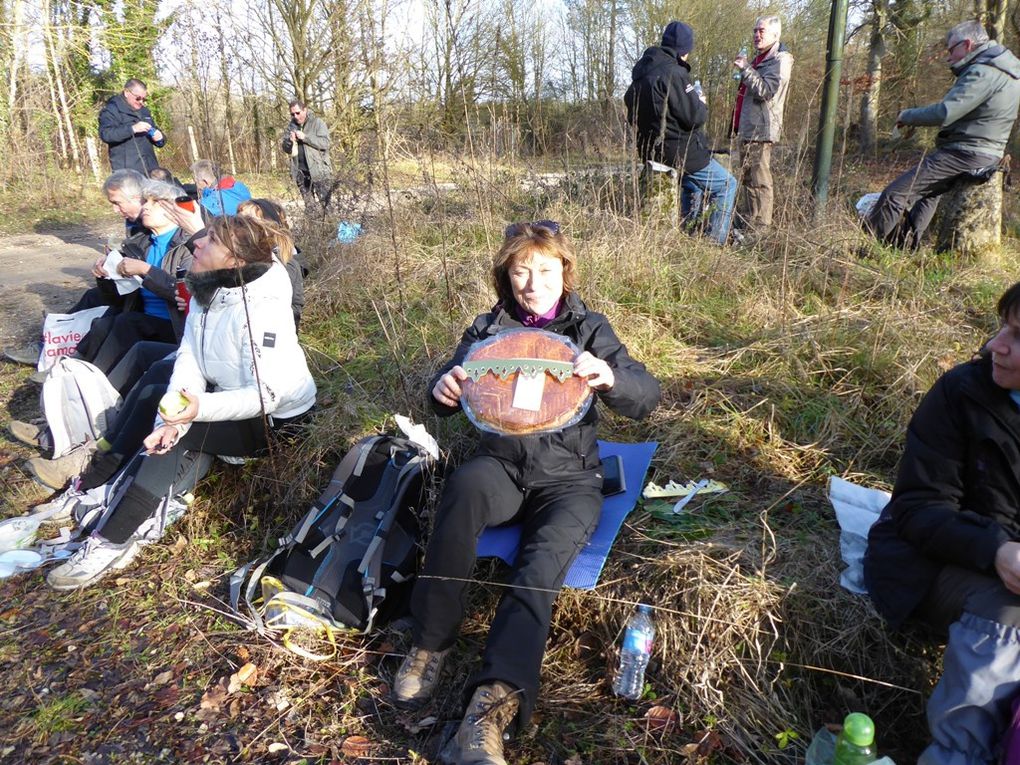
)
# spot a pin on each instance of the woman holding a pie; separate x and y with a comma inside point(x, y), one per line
point(537, 464)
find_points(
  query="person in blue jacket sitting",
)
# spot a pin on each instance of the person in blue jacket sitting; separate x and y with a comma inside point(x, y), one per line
point(219, 194)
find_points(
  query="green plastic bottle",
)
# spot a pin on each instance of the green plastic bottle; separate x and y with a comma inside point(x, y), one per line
point(856, 744)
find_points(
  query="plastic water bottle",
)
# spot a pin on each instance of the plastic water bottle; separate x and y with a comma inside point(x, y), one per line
point(699, 90)
point(637, 649)
point(738, 75)
point(856, 744)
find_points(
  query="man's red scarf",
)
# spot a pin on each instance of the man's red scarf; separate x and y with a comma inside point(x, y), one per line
point(743, 90)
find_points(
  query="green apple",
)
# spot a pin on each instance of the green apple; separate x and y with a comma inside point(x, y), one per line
point(172, 404)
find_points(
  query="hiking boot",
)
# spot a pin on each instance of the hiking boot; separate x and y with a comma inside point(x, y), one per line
point(90, 562)
point(479, 738)
point(39, 377)
point(57, 472)
point(33, 433)
point(417, 677)
point(27, 354)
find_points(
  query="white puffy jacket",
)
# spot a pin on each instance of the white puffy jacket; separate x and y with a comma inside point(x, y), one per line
point(225, 364)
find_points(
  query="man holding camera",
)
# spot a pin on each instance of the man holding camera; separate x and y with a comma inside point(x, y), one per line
point(127, 128)
point(306, 140)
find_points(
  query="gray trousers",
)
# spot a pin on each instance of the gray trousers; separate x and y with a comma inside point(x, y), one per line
point(903, 212)
point(970, 708)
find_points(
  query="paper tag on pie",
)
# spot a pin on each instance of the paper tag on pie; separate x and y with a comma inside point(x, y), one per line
point(528, 392)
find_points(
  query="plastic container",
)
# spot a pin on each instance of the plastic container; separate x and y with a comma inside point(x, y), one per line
point(739, 74)
point(699, 90)
point(856, 744)
point(638, 638)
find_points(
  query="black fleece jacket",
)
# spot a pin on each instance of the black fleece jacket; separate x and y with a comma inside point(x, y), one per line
point(957, 494)
point(665, 109)
point(571, 454)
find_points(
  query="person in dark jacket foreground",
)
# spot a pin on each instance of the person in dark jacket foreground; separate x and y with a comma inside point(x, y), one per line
point(945, 552)
point(550, 482)
point(975, 119)
point(668, 113)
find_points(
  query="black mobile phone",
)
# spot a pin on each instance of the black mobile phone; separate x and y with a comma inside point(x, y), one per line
point(612, 476)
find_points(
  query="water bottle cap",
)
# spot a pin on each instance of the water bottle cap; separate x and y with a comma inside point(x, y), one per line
point(858, 729)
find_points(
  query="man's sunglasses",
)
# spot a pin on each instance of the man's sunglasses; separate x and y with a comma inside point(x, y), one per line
point(515, 229)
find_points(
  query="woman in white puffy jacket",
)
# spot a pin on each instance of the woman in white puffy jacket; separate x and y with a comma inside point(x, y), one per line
point(240, 374)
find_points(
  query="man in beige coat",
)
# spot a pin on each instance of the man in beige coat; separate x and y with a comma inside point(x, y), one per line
point(758, 120)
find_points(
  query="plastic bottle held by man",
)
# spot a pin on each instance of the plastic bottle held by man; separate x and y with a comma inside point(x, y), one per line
point(638, 638)
point(856, 744)
point(738, 75)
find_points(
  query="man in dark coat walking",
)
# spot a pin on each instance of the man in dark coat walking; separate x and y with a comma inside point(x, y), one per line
point(127, 128)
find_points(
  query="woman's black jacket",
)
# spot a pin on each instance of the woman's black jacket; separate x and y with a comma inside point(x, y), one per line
point(571, 454)
point(957, 494)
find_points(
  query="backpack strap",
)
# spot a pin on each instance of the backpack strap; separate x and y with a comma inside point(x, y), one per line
point(350, 466)
point(371, 563)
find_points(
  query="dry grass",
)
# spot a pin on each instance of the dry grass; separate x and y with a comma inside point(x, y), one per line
point(781, 364)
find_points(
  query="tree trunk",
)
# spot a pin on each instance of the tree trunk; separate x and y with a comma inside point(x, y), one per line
point(870, 99)
point(969, 218)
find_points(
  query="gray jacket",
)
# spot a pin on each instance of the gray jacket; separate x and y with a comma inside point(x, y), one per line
point(316, 145)
point(761, 114)
point(978, 112)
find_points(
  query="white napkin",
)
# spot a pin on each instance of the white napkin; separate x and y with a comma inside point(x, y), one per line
point(125, 284)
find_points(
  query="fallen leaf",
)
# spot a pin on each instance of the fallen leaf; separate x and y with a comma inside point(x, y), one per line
point(356, 746)
point(163, 678)
point(660, 718)
point(179, 544)
point(205, 584)
point(244, 676)
point(574, 759)
point(709, 742)
point(277, 747)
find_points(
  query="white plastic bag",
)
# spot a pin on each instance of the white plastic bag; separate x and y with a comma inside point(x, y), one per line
point(79, 404)
point(866, 203)
point(857, 508)
point(63, 331)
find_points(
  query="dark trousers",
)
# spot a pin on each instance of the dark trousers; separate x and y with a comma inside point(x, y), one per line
point(315, 193)
point(905, 209)
point(95, 297)
point(181, 467)
point(970, 708)
point(111, 337)
point(557, 521)
point(136, 362)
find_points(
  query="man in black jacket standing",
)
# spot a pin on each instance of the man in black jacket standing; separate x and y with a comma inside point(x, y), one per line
point(127, 128)
point(946, 550)
point(668, 112)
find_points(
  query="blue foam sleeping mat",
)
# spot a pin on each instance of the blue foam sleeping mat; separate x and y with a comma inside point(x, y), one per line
point(502, 541)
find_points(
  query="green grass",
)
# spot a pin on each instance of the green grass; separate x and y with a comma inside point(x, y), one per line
point(781, 365)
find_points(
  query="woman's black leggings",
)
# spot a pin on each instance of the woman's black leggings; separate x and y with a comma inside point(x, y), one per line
point(162, 474)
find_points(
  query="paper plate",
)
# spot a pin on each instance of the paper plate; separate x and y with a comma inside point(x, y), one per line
point(15, 561)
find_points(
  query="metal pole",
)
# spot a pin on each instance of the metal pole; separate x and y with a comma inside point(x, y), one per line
point(830, 103)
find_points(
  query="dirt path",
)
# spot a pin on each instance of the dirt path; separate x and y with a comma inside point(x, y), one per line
point(43, 272)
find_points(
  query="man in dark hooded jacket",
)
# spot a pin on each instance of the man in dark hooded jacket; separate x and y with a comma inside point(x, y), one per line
point(127, 128)
point(668, 113)
point(975, 119)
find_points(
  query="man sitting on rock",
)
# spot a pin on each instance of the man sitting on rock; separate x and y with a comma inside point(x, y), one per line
point(974, 118)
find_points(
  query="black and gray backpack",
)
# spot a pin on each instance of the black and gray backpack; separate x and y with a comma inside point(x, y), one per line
point(349, 564)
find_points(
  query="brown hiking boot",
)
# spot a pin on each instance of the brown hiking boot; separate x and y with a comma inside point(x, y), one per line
point(57, 472)
point(480, 737)
point(417, 677)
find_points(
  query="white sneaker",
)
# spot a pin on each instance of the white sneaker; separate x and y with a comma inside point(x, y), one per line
point(65, 506)
point(89, 563)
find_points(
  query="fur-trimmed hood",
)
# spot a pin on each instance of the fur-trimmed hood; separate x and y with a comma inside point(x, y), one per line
point(204, 285)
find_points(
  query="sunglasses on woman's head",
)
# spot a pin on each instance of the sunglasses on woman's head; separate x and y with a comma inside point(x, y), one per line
point(517, 228)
